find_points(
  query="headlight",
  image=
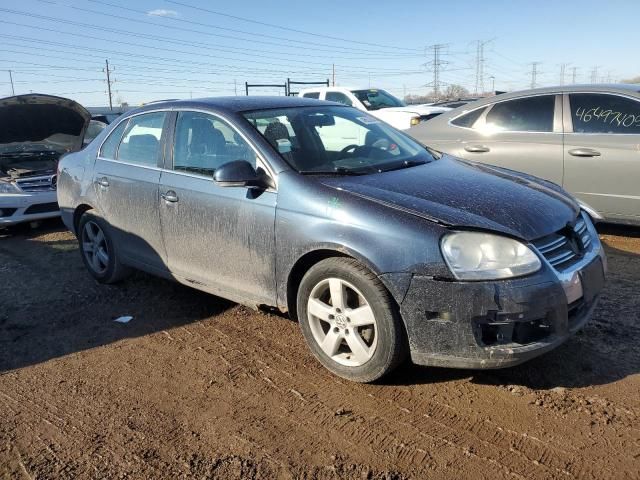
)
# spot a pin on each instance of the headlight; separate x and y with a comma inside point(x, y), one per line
point(415, 121)
point(6, 187)
point(482, 256)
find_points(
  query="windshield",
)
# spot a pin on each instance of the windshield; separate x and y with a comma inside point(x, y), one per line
point(374, 99)
point(337, 140)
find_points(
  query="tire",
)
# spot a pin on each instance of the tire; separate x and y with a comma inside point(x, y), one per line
point(104, 265)
point(351, 341)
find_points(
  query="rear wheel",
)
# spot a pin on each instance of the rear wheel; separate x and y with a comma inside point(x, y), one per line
point(98, 251)
point(349, 320)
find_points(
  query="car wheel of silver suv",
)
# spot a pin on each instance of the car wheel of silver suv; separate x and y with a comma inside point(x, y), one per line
point(98, 251)
point(350, 321)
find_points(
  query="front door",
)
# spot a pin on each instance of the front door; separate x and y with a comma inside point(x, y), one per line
point(126, 177)
point(221, 239)
point(523, 134)
point(602, 153)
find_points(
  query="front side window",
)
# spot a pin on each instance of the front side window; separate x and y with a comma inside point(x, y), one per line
point(374, 99)
point(336, 140)
point(109, 148)
point(598, 113)
point(468, 119)
point(141, 141)
point(338, 97)
point(204, 142)
point(533, 114)
point(312, 95)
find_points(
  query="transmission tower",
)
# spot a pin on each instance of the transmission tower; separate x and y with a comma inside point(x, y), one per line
point(480, 66)
point(435, 65)
point(534, 73)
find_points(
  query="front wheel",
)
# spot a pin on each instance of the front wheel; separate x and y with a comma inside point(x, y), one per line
point(350, 321)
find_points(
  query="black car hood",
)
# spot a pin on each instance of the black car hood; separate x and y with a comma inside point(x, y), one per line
point(467, 194)
point(37, 122)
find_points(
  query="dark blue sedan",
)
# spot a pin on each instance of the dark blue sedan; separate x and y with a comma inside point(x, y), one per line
point(379, 247)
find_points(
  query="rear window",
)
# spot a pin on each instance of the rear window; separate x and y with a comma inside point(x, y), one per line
point(311, 95)
point(468, 119)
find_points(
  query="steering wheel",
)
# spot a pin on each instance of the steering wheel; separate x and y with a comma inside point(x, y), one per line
point(346, 149)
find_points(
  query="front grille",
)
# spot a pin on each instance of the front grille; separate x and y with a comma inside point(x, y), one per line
point(42, 208)
point(567, 246)
point(37, 184)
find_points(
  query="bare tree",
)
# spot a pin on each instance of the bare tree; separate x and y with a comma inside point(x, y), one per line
point(632, 80)
point(454, 92)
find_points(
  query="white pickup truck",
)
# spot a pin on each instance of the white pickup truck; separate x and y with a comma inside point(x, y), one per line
point(377, 102)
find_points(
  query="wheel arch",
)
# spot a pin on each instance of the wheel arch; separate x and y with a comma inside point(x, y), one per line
point(77, 214)
point(308, 260)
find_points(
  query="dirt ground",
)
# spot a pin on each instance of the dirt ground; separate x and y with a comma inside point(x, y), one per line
point(198, 387)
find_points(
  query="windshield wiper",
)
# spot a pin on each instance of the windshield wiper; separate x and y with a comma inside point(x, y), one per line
point(405, 164)
point(336, 171)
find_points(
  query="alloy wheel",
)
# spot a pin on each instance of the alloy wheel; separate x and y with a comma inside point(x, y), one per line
point(94, 247)
point(342, 322)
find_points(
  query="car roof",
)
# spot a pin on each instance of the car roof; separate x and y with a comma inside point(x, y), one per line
point(625, 88)
point(236, 104)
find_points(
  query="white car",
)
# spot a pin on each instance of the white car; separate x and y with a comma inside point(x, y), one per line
point(35, 130)
point(377, 102)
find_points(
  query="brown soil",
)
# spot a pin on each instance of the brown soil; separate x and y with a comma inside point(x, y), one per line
point(197, 387)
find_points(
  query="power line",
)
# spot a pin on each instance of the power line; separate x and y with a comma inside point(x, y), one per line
point(594, 74)
point(479, 87)
point(282, 27)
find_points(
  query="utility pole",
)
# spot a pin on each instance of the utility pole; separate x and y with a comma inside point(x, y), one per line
point(493, 84)
point(235, 87)
point(108, 72)
point(594, 74)
point(534, 73)
point(574, 75)
point(333, 74)
point(13, 91)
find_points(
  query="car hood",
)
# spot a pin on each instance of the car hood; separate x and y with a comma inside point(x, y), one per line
point(38, 122)
point(463, 194)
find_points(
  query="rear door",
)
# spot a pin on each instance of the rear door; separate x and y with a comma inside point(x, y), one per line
point(221, 239)
point(602, 153)
point(126, 177)
point(523, 134)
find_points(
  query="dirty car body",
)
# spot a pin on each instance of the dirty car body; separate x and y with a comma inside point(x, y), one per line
point(405, 216)
point(35, 131)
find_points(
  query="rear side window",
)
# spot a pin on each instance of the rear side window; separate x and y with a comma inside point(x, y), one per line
point(533, 114)
point(141, 141)
point(110, 145)
point(468, 119)
point(597, 113)
point(311, 95)
point(338, 97)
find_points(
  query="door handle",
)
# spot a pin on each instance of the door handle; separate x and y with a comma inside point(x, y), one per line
point(169, 196)
point(477, 149)
point(584, 152)
point(103, 182)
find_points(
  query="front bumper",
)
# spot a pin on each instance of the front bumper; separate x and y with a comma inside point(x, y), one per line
point(27, 207)
point(501, 323)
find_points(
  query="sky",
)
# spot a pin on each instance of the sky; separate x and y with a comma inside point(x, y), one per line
point(159, 49)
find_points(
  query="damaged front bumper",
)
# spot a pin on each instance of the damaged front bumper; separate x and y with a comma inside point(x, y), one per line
point(497, 324)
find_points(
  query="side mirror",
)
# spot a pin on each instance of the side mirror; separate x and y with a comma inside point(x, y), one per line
point(240, 173)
